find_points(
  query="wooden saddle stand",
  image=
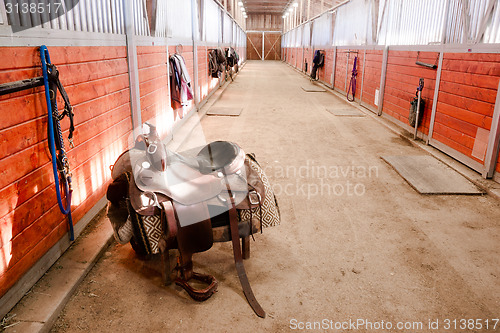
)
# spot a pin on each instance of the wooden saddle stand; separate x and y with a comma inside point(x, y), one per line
point(201, 202)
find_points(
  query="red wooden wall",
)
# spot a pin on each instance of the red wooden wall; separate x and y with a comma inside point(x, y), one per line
point(467, 95)
point(340, 70)
point(402, 79)
point(327, 69)
point(307, 57)
point(96, 80)
point(371, 79)
point(153, 86)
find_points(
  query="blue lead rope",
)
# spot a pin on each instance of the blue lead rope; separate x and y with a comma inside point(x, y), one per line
point(53, 118)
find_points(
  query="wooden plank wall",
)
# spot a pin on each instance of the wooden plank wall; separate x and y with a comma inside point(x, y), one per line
point(264, 22)
point(153, 85)
point(402, 80)
point(371, 81)
point(340, 70)
point(96, 80)
point(327, 69)
point(272, 46)
point(254, 46)
point(307, 56)
point(467, 95)
point(498, 166)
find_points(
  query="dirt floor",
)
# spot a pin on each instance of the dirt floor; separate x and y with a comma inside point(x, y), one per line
point(357, 249)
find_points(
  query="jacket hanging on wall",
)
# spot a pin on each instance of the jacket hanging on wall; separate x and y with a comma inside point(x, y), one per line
point(318, 62)
point(181, 91)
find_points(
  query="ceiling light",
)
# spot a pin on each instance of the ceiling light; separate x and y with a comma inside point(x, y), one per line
point(240, 3)
point(290, 10)
point(295, 4)
point(242, 9)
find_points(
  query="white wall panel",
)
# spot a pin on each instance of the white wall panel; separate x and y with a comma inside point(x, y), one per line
point(179, 19)
point(211, 21)
point(322, 30)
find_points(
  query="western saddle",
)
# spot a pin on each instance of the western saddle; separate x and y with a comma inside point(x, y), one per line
point(194, 194)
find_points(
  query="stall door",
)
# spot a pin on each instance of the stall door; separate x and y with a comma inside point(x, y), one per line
point(263, 46)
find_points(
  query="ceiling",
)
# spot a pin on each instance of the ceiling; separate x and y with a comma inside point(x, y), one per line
point(265, 6)
point(278, 7)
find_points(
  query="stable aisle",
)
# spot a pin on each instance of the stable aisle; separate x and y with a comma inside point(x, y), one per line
point(356, 243)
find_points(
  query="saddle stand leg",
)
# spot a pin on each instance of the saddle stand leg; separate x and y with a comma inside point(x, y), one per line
point(192, 239)
point(166, 269)
point(238, 258)
point(245, 245)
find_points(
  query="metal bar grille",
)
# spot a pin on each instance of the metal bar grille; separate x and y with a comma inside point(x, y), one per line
point(172, 18)
point(401, 22)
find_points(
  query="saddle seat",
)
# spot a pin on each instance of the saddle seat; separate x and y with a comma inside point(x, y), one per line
point(190, 180)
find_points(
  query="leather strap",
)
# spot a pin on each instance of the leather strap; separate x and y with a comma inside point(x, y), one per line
point(170, 225)
point(238, 259)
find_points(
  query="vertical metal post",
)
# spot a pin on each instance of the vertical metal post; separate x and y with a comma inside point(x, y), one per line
point(362, 79)
point(435, 98)
point(133, 67)
point(347, 69)
point(194, 28)
point(334, 66)
point(490, 160)
point(418, 109)
point(301, 14)
point(382, 81)
point(263, 36)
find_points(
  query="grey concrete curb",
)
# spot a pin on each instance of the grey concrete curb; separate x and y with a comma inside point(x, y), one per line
point(37, 311)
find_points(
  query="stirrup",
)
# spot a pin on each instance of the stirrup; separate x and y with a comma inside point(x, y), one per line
point(199, 295)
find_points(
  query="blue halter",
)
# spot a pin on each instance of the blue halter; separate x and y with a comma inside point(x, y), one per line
point(53, 120)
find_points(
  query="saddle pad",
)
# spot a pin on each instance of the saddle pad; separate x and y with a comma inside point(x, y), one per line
point(270, 209)
point(152, 224)
point(148, 232)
